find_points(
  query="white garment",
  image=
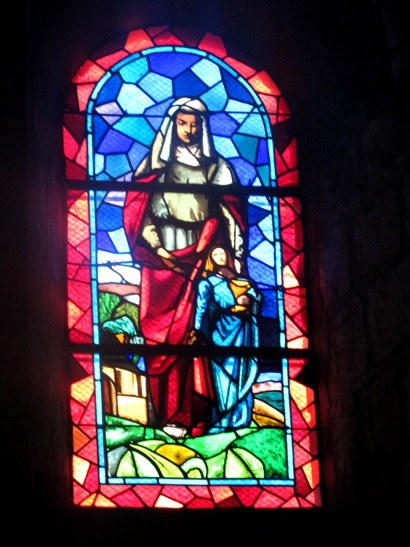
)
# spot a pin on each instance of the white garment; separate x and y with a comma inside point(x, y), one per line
point(188, 155)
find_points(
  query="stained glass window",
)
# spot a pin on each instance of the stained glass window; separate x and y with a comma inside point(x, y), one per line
point(186, 295)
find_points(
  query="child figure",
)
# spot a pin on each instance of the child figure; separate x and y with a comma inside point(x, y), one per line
point(225, 315)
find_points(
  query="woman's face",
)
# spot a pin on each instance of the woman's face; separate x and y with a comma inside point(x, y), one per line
point(219, 256)
point(188, 127)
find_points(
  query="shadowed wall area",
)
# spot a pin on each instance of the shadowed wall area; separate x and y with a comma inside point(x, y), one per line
point(342, 68)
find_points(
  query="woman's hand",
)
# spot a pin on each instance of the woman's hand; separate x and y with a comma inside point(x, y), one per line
point(169, 260)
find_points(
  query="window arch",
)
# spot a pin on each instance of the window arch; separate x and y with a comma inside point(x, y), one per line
point(185, 397)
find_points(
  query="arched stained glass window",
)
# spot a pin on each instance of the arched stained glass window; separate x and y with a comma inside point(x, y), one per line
point(186, 297)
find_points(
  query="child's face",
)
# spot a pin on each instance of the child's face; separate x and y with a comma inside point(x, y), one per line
point(219, 256)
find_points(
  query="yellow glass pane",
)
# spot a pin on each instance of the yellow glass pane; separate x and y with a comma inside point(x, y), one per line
point(82, 390)
point(80, 469)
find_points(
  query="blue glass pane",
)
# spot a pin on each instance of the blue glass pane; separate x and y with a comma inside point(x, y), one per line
point(263, 155)
point(99, 198)
point(265, 253)
point(111, 108)
point(109, 217)
point(155, 121)
point(137, 154)
point(104, 242)
point(133, 100)
point(225, 147)
point(159, 109)
point(208, 72)
point(156, 86)
point(117, 165)
point(110, 90)
point(247, 146)
point(266, 225)
point(253, 125)
point(269, 303)
point(99, 129)
point(235, 89)
point(116, 198)
point(132, 72)
point(269, 377)
point(255, 214)
point(260, 201)
point(114, 143)
point(171, 64)
point(263, 171)
point(188, 85)
point(245, 172)
point(120, 241)
point(215, 99)
point(222, 124)
point(111, 119)
point(102, 176)
point(137, 128)
point(261, 273)
point(141, 364)
point(103, 257)
point(255, 237)
point(238, 107)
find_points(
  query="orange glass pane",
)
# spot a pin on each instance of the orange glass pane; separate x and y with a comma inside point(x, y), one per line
point(148, 494)
point(80, 469)
point(82, 390)
point(179, 493)
point(213, 44)
point(89, 72)
point(127, 499)
point(90, 452)
point(289, 278)
point(80, 439)
point(74, 313)
point(247, 495)
point(268, 501)
point(292, 330)
point(310, 415)
point(298, 343)
point(70, 144)
point(220, 493)
point(79, 293)
point(167, 38)
point(81, 157)
point(270, 102)
point(83, 95)
point(301, 320)
point(292, 235)
point(287, 214)
point(280, 165)
point(102, 501)
point(295, 366)
point(138, 40)
point(109, 60)
point(289, 155)
point(311, 471)
point(242, 69)
point(77, 230)
point(154, 31)
point(289, 179)
point(309, 443)
point(263, 83)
